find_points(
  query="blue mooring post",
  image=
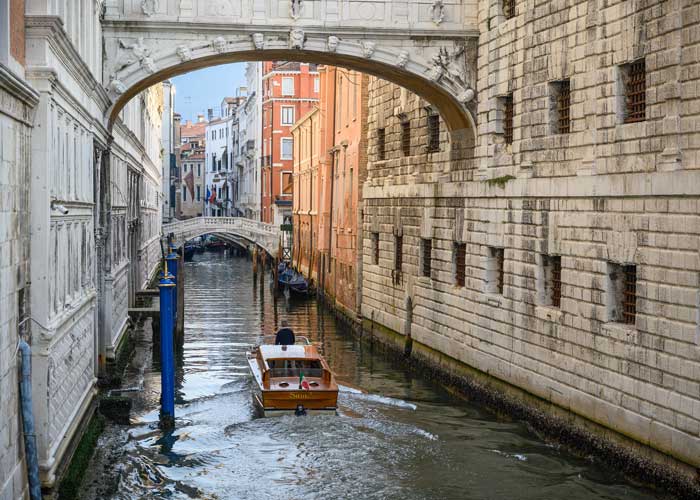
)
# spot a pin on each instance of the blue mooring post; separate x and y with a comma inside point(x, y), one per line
point(172, 268)
point(167, 353)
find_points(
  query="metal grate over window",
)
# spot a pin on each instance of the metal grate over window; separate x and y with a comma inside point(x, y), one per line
point(564, 107)
point(460, 263)
point(508, 119)
point(635, 92)
point(406, 138)
point(433, 133)
point(629, 301)
point(427, 256)
point(555, 262)
point(508, 8)
point(375, 248)
point(398, 254)
point(381, 144)
point(499, 255)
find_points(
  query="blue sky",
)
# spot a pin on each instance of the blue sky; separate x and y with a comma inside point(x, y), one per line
point(205, 88)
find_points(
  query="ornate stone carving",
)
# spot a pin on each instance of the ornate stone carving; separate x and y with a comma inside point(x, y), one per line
point(184, 53)
point(295, 8)
point(437, 12)
point(333, 42)
point(149, 7)
point(219, 44)
point(402, 59)
point(368, 49)
point(258, 40)
point(296, 39)
point(116, 85)
point(148, 64)
point(466, 96)
point(131, 53)
point(451, 64)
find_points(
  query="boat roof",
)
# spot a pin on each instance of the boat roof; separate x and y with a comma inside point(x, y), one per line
point(289, 352)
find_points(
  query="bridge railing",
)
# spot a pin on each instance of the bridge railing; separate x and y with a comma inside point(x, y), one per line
point(242, 224)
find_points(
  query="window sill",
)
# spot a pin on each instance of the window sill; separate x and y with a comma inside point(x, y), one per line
point(620, 331)
point(493, 299)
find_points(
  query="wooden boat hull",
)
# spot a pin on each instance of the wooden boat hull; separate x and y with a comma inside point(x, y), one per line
point(277, 408)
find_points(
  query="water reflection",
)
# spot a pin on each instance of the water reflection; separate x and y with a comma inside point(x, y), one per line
point(396, 436)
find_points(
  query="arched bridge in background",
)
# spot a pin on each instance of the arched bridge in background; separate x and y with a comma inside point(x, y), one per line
point(426, 46)
point(244, 232)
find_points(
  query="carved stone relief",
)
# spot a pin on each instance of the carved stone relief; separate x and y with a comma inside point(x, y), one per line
point(437, 12)
point(295, 8)
point(333, 42)
point(149, 7)
point(219, 44)
point(368, 49)
point(258, 40)
point(184, 53)
point(296, 39)
point(402, 59)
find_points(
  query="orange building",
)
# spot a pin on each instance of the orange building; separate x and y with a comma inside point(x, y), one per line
point(329, 173)
point(290, 91)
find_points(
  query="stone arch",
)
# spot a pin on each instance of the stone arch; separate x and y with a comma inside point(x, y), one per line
point(430, 72)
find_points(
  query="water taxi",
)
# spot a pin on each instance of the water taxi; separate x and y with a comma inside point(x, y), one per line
point(293, 379)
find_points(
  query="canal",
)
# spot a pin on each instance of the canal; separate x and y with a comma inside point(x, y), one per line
point(397, 436)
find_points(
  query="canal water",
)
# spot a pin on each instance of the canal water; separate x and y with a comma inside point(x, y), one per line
point(397, 436)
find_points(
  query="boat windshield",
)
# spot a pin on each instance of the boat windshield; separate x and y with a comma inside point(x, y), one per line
point(295, 368)
point(270, 340)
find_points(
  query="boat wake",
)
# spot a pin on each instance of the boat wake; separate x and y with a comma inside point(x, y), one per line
point(376, 398)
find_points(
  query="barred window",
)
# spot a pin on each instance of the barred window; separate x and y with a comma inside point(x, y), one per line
point(427, 251)
point(495, 274)
point(622, 293)
point(406, 138)
point(562, 101)
point(508, 113)
point(508, 8)
point(381, 144)
point(433, 133)
point(460, 263)
point(634, 75)
point(375, 248)
point(398, 253)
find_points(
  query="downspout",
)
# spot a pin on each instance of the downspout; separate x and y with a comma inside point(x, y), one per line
point(30, 448)
point(333, 155)
point(311, 198)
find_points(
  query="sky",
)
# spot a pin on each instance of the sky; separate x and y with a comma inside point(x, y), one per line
point(199, 90)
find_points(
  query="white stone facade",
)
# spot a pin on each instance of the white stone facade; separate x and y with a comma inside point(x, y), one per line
point(249, 163)
point(606, 195)
point(79, 228)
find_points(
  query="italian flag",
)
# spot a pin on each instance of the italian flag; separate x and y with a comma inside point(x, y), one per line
point(303, 384)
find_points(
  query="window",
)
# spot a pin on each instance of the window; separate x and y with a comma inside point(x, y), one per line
point(381, 144)
point(287, 148)
point(287, 86)
point(375, 248)
point(184, 167)
point(549, 281)
point(495, 274)
point(184, 193)
point(199, 170)
point(508, 8)
point(213, 162)
point(561, 107)
point(199, 193)
point(622, 293)
point(433, 133)
point(508, 119)
point(317, 85)
point(287, 115)
point(287, 184)
point(406, 138)
point(634, 80)
point(460, 260)
point(427, 256)
point(398, 253)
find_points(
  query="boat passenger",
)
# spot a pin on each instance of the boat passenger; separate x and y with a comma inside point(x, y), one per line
point(285, 335)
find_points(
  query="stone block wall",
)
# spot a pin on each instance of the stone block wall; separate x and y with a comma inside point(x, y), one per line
point(604, 197)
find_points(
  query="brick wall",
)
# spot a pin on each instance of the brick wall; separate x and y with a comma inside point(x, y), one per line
point(17, 30)
point(605, 195)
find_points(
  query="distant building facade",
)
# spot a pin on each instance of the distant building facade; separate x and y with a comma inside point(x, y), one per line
point(192, 169)
point(289, 91)
point(248, 161)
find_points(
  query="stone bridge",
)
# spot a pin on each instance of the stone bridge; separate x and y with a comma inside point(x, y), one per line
point(427, 46)
point(237, 229)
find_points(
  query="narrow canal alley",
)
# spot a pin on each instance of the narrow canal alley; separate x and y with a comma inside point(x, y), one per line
point(397, 436)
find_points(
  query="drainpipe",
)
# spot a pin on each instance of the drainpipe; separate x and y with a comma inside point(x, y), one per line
point(30, 449)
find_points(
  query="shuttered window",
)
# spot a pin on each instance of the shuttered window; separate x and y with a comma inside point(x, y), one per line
point(381, 144)
point(406, 138)
point(398, 253)
point(433, 133)
point(564, 107)
point(508, 113)
point(460, 263)
point(427, 251)
point(508, 8)
point(629, 305)
point(375, 248)
point(634, 75)
point(555, 262)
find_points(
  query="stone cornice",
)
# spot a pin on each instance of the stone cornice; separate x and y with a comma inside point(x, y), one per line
point(51, 29)
point(14, 88)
